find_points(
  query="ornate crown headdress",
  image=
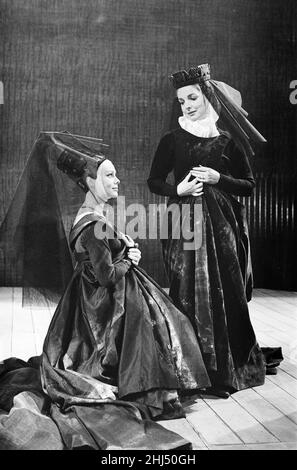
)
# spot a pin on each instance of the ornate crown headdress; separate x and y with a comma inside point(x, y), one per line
point(226, 101)
point(198, 74)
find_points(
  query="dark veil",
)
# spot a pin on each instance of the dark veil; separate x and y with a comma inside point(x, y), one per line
point(34, 234)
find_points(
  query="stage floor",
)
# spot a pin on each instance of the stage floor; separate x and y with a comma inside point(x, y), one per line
point(261, 418)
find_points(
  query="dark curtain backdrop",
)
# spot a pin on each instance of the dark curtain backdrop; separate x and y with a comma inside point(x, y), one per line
point(101, 67)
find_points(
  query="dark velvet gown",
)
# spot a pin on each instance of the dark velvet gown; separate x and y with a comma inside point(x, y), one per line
point(115, 325)
point(212, 282)
point(117, 338)
point(116, 351)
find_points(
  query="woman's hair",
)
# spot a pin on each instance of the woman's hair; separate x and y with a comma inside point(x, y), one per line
point(79, 167)
point(208, 92)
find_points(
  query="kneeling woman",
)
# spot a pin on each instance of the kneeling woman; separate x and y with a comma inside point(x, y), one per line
point(115, 334)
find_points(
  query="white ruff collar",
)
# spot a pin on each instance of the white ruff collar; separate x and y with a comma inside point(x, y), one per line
point(204, 127)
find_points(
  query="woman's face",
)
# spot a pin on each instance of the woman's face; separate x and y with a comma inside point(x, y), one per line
point(107, 183)
point(192, 102)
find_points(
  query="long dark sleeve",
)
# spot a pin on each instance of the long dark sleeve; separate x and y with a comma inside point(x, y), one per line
point(107, 272)
point(240, 181)
point(161, 167)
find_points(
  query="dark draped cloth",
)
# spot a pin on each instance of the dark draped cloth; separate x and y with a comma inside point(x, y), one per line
point(29, 420)
point(211, 282)
point(38, 220)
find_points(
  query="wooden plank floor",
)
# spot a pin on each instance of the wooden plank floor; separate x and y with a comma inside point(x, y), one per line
point(261, 418)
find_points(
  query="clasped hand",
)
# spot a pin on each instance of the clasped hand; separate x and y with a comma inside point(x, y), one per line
point(134, 254)
point(202, 174)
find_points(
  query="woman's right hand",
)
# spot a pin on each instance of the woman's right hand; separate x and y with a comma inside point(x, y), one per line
point(134, 254)
point(189, 188)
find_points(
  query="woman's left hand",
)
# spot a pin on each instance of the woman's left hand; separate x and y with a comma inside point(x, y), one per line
point(205, 174)
point(134, 254)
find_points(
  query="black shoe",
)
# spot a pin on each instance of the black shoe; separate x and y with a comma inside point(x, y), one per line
point(271, 370)
point(217, 392)
point(172, 409)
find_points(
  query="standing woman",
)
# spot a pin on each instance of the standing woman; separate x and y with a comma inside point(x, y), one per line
point(211, 283)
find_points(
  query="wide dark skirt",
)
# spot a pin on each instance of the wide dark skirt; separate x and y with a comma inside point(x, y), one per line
point(211, 283)
point(117, 353)
point(111, 358)
point(126, 339)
